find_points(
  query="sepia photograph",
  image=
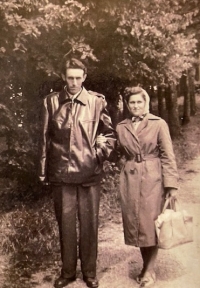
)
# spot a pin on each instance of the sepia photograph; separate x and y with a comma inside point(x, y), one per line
point(100, 143)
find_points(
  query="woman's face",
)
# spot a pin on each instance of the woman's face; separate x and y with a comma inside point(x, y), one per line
point(136, 105)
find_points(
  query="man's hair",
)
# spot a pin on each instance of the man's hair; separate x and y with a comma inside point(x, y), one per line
point(74, 64)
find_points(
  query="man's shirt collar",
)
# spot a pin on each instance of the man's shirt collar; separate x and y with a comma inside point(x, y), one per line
point(71, 96)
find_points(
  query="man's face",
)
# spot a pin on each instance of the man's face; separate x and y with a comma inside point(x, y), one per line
point(74, 79)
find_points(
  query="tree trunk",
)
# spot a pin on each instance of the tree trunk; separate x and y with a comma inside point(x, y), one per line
point(191, 86)
point(186, 94)
point(151, 92)
point(173, 115)
point(161, 104)
point(167, 98)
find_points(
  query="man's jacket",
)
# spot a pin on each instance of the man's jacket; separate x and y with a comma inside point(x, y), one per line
point(68, 152)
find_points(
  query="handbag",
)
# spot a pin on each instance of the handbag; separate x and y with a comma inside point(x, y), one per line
point(174, 226)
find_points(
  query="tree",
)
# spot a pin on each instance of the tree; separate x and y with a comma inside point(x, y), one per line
point(185, 91)
point(151, 39)
point(161, 99)
point(173, 120)
point(188, 79)
point(191, 80)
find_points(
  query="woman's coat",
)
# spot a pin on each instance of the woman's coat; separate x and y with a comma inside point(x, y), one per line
point(149, 167)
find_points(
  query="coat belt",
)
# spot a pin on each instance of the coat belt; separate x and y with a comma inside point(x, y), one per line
point(140, 158)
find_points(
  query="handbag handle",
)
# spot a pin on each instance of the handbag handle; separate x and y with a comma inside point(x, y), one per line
point(167, 203)
point(173, 204)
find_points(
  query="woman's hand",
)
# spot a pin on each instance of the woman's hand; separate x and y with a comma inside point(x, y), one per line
point(171, 192)
point(100, 141)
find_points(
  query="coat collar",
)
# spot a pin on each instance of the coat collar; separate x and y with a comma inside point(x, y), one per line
point(128, 124)
point(82, 97)
point(149, 116)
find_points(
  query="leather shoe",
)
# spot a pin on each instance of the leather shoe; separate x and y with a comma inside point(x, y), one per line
point(91, 282)
point(62, 282)
point(148, 280)
point(140, 276)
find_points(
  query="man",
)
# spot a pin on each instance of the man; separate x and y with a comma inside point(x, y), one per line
point(71, 160)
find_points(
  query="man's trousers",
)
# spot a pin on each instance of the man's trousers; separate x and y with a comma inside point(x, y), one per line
point(82, 201)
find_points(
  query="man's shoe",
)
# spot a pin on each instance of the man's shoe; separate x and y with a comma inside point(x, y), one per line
point(91, 282)
point(63, 282)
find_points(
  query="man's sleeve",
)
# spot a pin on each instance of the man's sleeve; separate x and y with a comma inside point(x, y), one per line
point(43, 141)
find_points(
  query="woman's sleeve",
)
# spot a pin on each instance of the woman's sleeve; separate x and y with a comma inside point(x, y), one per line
point(106, 128)
point(168, 161)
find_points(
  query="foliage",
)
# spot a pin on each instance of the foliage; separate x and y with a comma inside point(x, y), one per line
point(18, 158)
point(128, 42)
point(145, 40)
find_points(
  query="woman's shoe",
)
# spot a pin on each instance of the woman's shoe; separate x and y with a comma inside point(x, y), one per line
point(148, 279)
point(140, 276)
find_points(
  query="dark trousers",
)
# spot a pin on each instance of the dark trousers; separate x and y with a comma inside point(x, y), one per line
point(68, 199)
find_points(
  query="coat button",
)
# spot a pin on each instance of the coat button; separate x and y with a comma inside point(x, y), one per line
point(132, 171)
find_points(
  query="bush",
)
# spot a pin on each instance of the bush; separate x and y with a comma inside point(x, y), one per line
point(109, 191)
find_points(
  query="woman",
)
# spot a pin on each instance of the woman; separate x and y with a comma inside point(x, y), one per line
point(148, 176)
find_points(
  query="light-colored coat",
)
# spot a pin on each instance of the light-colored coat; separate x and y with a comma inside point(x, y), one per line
point(142, 184)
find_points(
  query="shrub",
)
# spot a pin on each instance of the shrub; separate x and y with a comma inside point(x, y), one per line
point(109, 191)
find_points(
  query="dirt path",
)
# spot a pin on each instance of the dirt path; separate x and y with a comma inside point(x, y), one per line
point(118, 264)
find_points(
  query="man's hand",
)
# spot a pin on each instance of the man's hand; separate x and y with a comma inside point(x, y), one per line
point(100, 141)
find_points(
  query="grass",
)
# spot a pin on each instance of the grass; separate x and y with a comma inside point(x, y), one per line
point(28, 230)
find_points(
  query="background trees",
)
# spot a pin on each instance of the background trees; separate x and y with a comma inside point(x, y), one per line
point(151, 43)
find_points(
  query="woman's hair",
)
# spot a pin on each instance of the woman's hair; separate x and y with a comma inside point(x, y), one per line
point(74, 64)
point(130, 91)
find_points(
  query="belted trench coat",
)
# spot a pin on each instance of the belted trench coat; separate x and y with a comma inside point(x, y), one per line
point(149, 167)
point(67, 148)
